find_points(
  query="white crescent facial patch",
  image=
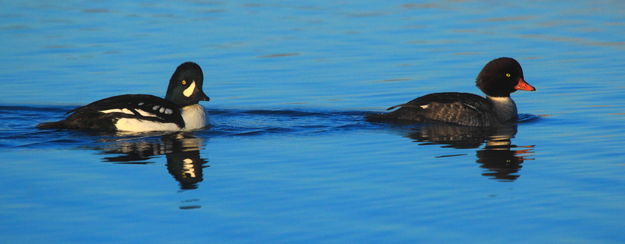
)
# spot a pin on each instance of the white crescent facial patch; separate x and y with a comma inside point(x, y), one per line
point(187, 92)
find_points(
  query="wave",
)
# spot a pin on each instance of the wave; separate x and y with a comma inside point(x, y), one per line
point(17, 124)
point(19, 121)
point(494, 149)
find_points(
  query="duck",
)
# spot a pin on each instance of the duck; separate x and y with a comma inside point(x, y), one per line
point(178, 111)
point(497, 80)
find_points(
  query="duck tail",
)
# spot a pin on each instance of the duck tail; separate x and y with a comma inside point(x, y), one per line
point(52, 125)
point(379, 117)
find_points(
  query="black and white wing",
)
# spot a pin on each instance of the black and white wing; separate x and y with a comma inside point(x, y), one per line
point(103, 114)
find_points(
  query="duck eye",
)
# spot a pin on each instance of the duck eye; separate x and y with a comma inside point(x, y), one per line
point(508, 75)
point(184, 82)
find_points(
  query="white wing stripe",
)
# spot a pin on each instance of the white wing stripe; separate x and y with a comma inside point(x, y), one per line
point(128, 111)
point(145, 114)
point(116, 110)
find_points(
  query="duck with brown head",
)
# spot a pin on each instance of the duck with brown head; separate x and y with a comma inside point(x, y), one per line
point(498, 79)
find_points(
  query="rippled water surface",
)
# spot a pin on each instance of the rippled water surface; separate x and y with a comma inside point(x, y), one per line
point(288, 156)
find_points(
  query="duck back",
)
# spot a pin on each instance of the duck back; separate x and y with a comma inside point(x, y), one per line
point(450, 107)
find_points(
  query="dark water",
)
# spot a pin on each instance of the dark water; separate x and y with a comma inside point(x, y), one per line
point(288, 157)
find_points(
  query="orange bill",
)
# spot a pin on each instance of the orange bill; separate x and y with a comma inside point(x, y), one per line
point(523, 85)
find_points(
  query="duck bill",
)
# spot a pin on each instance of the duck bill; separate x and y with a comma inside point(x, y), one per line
point(203, 97)
point(523, 85)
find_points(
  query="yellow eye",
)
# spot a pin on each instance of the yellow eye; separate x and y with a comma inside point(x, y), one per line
point(508, 75)
point(184, 82)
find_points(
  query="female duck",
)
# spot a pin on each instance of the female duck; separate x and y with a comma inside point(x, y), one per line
point(497, 80)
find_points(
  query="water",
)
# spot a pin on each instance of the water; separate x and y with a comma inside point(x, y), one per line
point(288, 157)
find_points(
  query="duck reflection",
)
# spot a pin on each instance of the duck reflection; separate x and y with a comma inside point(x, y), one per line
point(499, 157)
point(181, 150)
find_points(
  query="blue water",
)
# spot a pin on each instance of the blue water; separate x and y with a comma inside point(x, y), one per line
point(288, 157)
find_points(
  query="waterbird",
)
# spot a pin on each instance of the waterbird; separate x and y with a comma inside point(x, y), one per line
point(498, 79)
point(178, 111)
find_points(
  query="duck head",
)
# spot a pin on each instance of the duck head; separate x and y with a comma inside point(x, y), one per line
point(502, 76)
point(185, 85)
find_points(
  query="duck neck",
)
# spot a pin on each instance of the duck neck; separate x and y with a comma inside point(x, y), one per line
point(193, 116)
point(504, 107)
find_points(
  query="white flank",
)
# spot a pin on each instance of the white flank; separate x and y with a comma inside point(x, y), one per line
point(189, 91)
point(424, 106)
point(194, 117)
point(138, 125)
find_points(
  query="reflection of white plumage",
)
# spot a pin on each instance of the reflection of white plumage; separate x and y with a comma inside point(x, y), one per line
point(188, 170)
point(182, 151)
